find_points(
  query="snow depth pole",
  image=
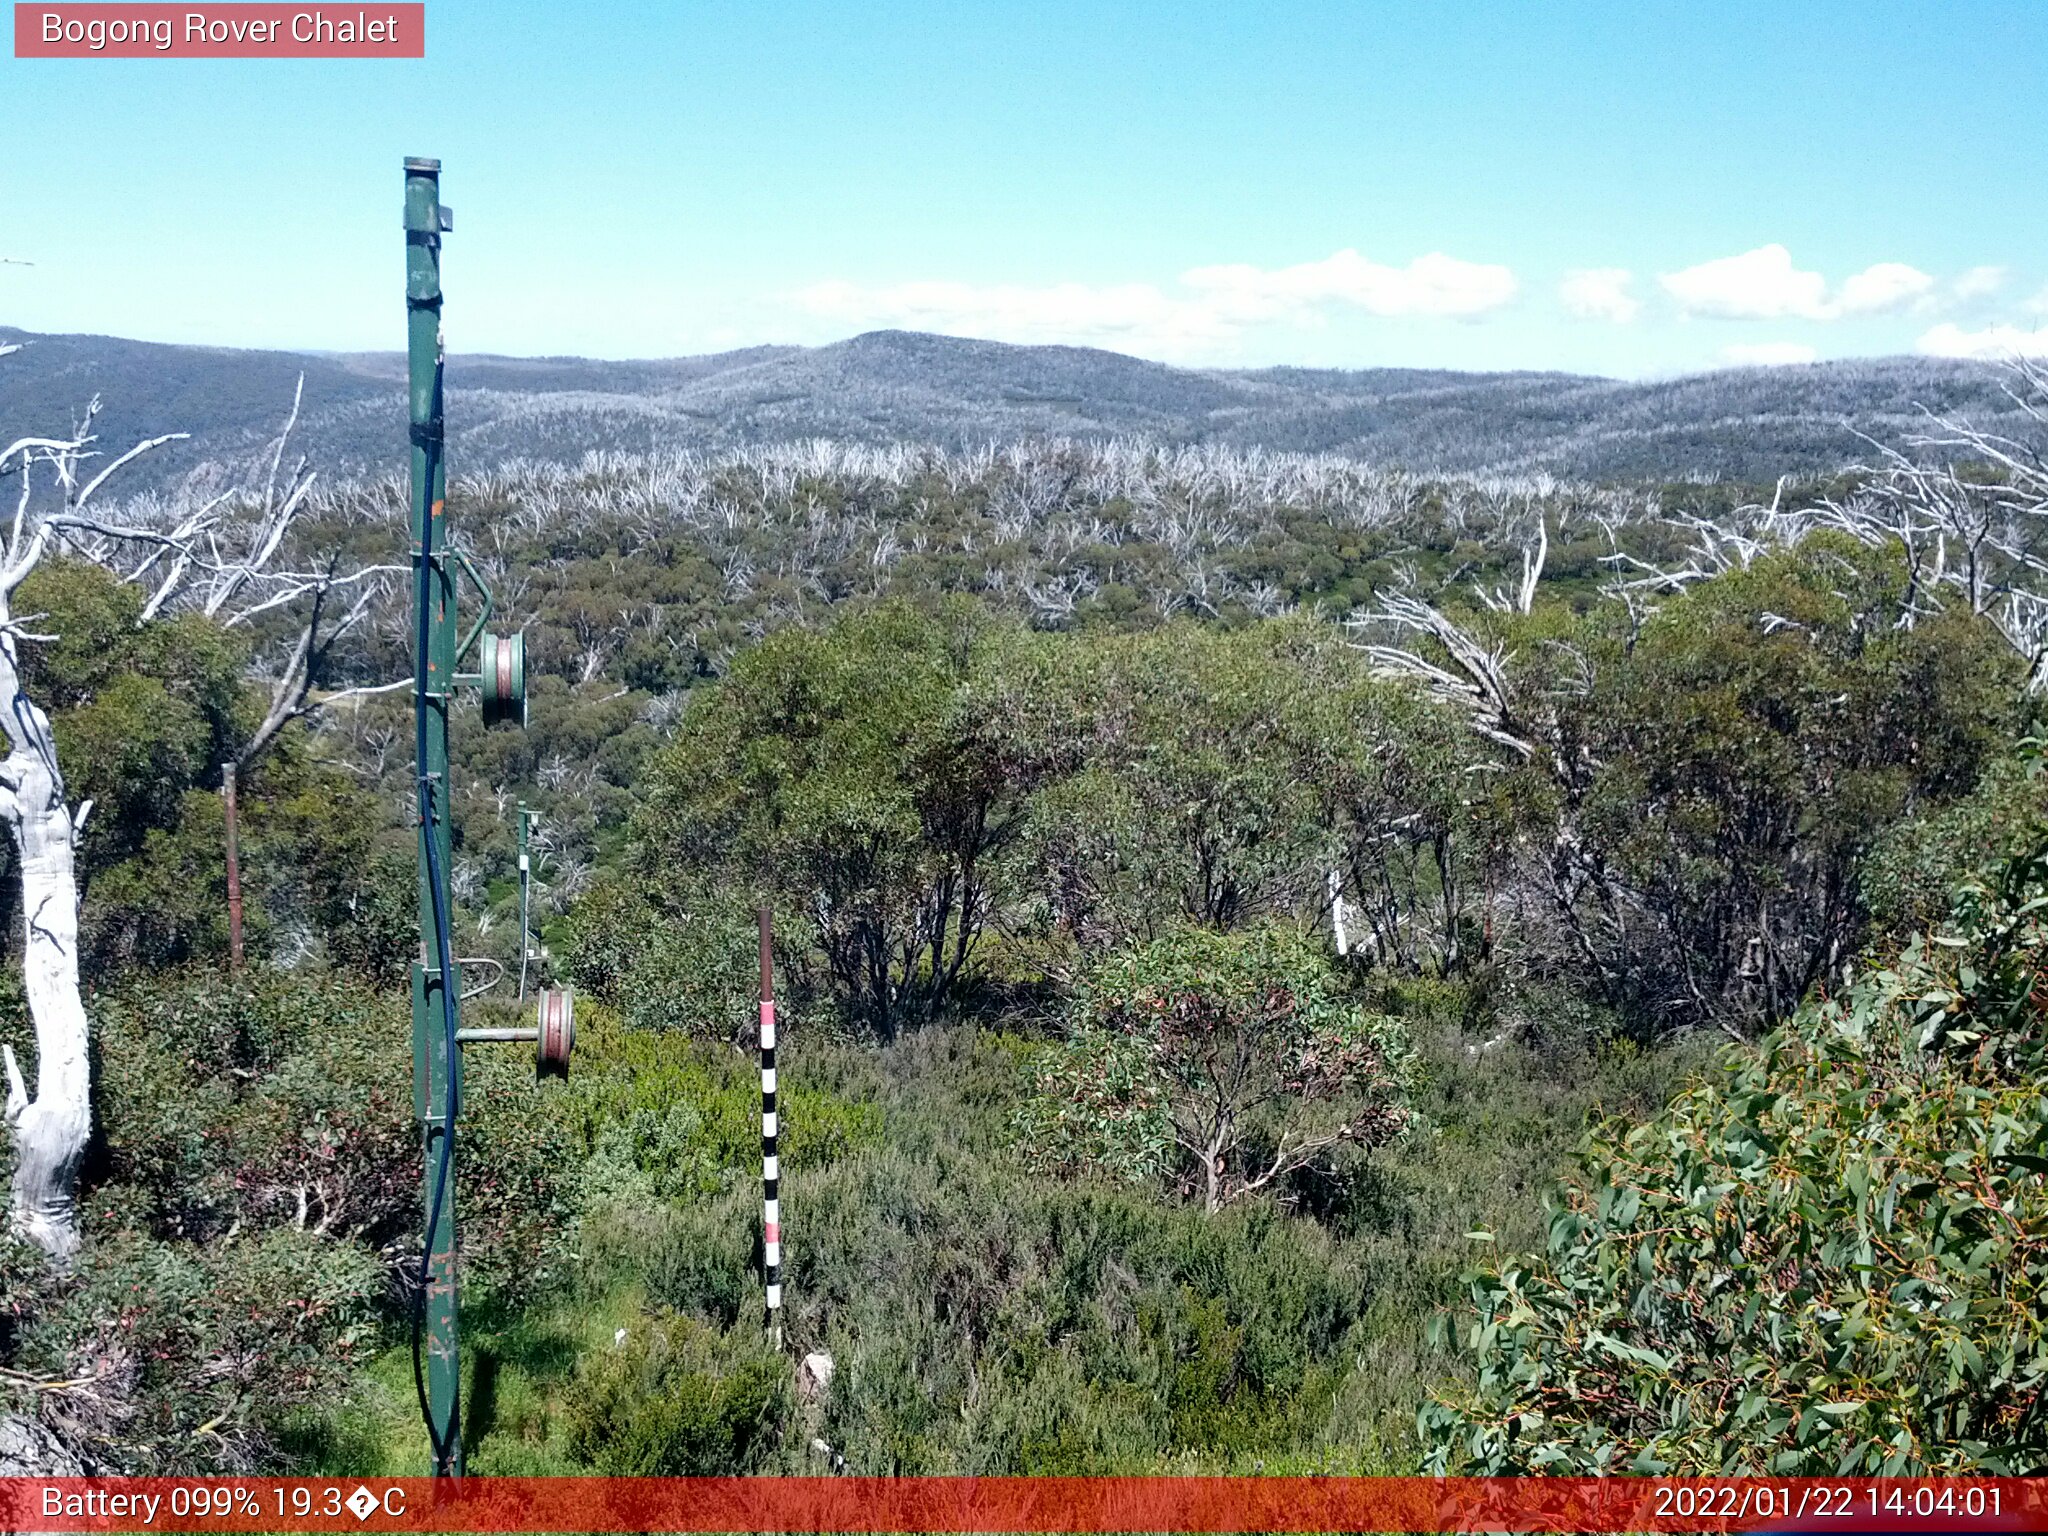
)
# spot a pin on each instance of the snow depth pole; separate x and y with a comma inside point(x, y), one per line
point(771, 1165)
point(437, 1059)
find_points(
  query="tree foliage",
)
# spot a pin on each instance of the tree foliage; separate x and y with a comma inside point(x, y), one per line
point(1190, 794)
point(864, 779)
point(1226, 1060)
point(1751, 742)
point(1830, 1259)
point(1693, 788)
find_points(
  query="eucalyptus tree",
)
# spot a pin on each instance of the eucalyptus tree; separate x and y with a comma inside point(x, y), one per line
point(1707, 761)
point(866, 779)
point(1223, 1062)
point(1824, 1260)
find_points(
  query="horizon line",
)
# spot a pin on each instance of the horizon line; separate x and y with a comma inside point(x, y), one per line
point(1650, 377)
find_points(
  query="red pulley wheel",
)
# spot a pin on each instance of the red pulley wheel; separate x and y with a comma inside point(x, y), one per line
point(502, 679)
point(557, 1032)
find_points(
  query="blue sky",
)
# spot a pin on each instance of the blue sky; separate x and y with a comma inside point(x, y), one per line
point(1625, 189)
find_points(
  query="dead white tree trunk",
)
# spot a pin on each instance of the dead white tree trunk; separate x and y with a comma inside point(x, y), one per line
point(1338, 933)
point(51, 1127)
point(1968, 509)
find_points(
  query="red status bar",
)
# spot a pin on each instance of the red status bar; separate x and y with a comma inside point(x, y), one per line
point(996, 1504)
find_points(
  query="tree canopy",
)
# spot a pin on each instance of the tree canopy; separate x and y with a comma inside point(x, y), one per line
point(1826, 1259)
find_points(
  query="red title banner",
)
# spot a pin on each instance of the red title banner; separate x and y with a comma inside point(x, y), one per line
point(260, 31)
point(1003, 1504)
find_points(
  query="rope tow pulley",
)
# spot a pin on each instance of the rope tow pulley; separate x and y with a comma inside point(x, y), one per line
point(557, 1032)
point(553, 1033)
point(501, 676)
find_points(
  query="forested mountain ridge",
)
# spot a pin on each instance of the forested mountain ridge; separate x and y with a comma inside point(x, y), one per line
point(1749, 424)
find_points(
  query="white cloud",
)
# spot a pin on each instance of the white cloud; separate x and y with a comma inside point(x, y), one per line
point(1993, 341)
point(2038, 304)
point(1767, 354)
point(1758, 285)
point(1886, 286)
point(1979, 282)
point(1600, 293)
point(1216, 304)
point(1436, 284)
point(1763, 284)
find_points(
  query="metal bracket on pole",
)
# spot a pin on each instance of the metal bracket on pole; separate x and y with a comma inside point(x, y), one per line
point(490, 606)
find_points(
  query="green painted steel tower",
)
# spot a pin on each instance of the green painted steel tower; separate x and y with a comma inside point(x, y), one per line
point(437, 1060)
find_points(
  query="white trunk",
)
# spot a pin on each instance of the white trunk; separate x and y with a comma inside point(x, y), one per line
point(51, 1129)
point(1337, 930)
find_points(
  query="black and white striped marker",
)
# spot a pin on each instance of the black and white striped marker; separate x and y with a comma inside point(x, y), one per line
point(771, 1168)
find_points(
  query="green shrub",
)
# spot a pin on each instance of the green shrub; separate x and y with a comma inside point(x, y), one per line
point(1828, 1261)
point(373, 930)
point(673, 1399)
point(986, 1321)
point(189, 1358)
point(518, 1175)
point(1915, 867)
point(604, 935)
point(1232, 1060)
point(284, 1099)
point(269, 1100)
point(668, 1117)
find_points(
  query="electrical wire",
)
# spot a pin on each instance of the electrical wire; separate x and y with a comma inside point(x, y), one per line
point(443, 1449)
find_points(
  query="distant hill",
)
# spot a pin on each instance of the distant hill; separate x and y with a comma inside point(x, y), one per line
point(1748, 424)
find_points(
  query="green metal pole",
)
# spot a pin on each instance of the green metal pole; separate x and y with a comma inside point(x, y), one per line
point(525, 921)
point(433, 1063)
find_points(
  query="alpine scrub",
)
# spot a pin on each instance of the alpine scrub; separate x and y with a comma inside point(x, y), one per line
point(1831, 1260)
point(1232, 1060)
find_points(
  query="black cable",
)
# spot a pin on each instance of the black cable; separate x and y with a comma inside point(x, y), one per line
point(443, 1450)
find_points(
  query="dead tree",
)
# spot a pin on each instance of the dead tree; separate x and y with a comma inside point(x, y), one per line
point(1534, 556)
point(52, 1126)
point(177, 552)
point(1409, 639)
point(1968, 509)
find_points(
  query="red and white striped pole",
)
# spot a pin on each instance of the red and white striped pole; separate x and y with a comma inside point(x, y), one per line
point(771, 1168)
